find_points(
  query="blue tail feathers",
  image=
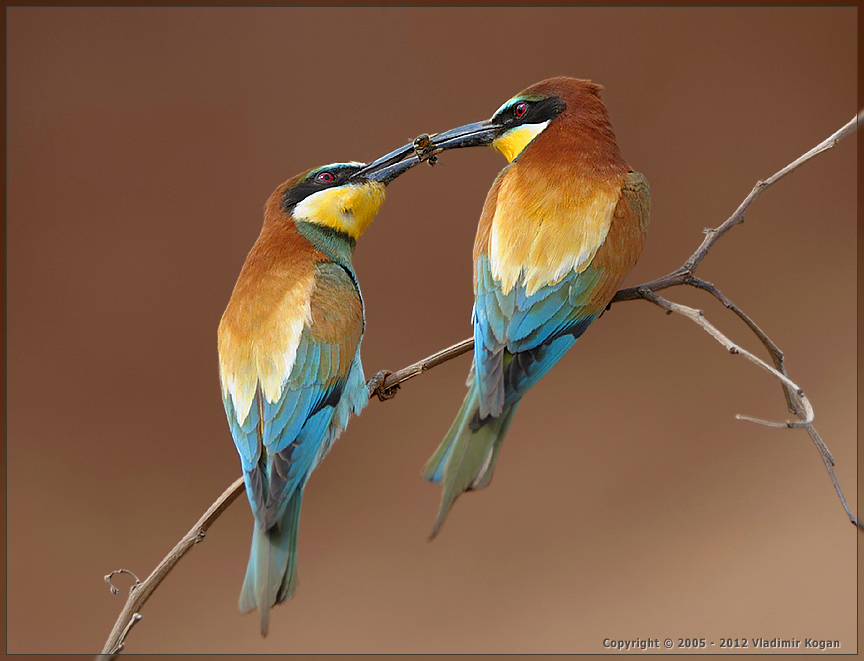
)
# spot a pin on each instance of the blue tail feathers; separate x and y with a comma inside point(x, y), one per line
point(271, 575)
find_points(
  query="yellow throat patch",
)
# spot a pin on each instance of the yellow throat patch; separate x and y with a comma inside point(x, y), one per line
point(348, 209)
point(514, 141)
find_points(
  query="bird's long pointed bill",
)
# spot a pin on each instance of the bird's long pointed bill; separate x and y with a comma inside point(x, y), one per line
point(389, 166)
point(388, 173)
point(477, 134)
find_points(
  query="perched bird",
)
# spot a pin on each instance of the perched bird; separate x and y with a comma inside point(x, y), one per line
point(561, 226)
point(289, 354)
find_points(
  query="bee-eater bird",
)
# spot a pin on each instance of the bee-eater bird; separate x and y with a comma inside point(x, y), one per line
point(561, 226)
point(289, 354)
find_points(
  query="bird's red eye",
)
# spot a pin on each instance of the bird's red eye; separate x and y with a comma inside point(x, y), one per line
point(325, 177)
point(521, 109)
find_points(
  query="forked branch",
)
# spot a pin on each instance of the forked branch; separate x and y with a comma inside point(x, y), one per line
point(679, 276)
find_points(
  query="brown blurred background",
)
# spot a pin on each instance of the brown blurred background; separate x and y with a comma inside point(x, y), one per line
point(628, 501)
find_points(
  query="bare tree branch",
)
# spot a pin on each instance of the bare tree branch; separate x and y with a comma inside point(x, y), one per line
point(773, 351)
point(385, 384)
point(111, 585)
point(698, 317)
point(678, 277)
point(386, 388)
point(140, 592)
point(798, 403)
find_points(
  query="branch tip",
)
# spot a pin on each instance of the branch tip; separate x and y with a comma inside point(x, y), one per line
point(113, 588)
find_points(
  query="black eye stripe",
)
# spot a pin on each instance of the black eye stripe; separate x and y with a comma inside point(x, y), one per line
point(332, 175)
point(314, 183)
point(531, 111)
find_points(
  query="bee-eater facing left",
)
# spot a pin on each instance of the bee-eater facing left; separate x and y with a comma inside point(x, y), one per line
point(561, 226)
point(289, 354)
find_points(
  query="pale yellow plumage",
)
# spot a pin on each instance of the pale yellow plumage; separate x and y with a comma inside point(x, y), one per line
point(542, 229)
point(275, 327)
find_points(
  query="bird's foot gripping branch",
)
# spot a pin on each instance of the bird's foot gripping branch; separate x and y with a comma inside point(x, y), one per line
point(376, 386)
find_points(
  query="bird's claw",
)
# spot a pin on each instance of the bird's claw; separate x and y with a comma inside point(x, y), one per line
point(375, 386)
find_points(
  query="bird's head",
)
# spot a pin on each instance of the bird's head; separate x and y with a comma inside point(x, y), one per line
point(520, 120)
point(341, 196)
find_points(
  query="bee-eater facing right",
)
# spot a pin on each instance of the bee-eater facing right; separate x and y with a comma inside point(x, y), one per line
point(561, 226)
point(289, 354)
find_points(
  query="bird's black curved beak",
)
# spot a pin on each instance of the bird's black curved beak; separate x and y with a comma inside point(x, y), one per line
point(389, 166)
point(387, 173)
point(424, 148)
point(477, 134)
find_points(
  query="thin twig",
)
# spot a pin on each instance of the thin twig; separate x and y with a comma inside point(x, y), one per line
point(111, 585)
point(773, 350)
point(800, 404)
point(698, 317)
point(679, 276)
point(828, 460)
point(140, 592)
point(777, 357)
point(394, 379)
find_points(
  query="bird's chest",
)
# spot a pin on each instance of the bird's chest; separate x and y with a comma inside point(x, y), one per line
point(543, 230)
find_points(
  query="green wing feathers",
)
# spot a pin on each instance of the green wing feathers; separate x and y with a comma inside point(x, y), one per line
point(638, 196)
point(466, 457)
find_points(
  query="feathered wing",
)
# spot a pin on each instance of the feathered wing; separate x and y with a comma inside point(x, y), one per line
point(519, 336)
point(284, 438)
point(517, 339)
